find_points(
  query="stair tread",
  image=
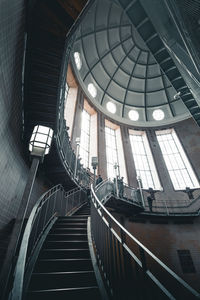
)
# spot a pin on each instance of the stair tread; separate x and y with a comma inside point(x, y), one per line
point(64, 249)
point(78, 223)
point(68, 234)
point(69, 228)
point(66, 289)
point(74, 241)
point(63, 259)
point(63, 272)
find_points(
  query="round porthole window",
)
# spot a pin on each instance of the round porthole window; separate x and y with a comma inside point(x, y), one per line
point(158, 114)
point(77, 59)
point(133, 115)
point(92, 90)
point(111, 107)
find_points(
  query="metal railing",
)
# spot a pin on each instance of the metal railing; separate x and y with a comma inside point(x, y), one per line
point(173, 207)
point(130, 269)
point(69, 157)
point(55, 202)
point(107, 188)
point(62, 138)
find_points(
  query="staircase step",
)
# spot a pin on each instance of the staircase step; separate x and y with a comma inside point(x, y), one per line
point(65, 253)
point(71, 220)
point(79, 216)
point(82, 215)
point(69, 230)
point(60, 265)
point(71, 225)
point(62, 280)
point(66, 244)
point(66, 236)
point(89, 293)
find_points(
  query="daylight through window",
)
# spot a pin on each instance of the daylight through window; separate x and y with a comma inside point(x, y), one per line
point(111, 152)
point(144, 164)
point(85, 138)
point(176, 161)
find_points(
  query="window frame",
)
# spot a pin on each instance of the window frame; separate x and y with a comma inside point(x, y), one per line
point(108, 163)
point(85, 150)
point(178, 157)
point(147, 153)
point(186, 261)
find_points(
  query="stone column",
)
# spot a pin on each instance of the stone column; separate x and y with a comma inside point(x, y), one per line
point(76, 131)
point(129, 162)
point(101, 145)
point(161, 168)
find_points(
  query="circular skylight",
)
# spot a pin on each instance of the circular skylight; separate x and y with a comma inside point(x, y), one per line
point(111, 107)
point(158, 114)
point(77, 59)
point(92, 90)
point(133, 115)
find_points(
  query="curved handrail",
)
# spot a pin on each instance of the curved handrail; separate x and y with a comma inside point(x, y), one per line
point(62, 139)
point(17, 290)
point(107, 218)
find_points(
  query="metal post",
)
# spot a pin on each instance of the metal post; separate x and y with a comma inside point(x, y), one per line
point(94, 184)
point(77, 154)
point(116, 183)
point(8, 262)
point(141, 191)
point(94, 166)
point(166, 207)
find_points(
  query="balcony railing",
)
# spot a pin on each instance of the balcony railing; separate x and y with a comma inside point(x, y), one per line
point(107, 188)
point(130, 270)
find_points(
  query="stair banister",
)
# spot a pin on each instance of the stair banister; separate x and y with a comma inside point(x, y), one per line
point(43, 208)
point(105, 225)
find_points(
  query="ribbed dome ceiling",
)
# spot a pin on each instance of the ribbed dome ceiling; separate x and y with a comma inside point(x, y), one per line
point(117, 61)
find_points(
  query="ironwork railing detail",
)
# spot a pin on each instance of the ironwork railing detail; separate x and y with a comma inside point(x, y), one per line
point(55, 202)
point(107, 188)
point(173, 207)
point(130, 269)
point(66, 153)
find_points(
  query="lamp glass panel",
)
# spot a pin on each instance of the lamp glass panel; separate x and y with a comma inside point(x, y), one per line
point(41, 139)
point(43, 129)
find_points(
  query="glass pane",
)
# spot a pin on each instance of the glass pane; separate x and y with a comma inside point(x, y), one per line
point(111, 151)
point(85, 138)
point(143, 160)
point(178, 166)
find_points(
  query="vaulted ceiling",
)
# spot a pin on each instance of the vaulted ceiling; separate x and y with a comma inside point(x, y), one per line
point(123, 57)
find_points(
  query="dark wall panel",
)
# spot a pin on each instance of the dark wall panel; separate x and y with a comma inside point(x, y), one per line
point(13, 169)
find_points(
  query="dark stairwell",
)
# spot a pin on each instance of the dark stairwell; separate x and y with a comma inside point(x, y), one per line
point(64, 268)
